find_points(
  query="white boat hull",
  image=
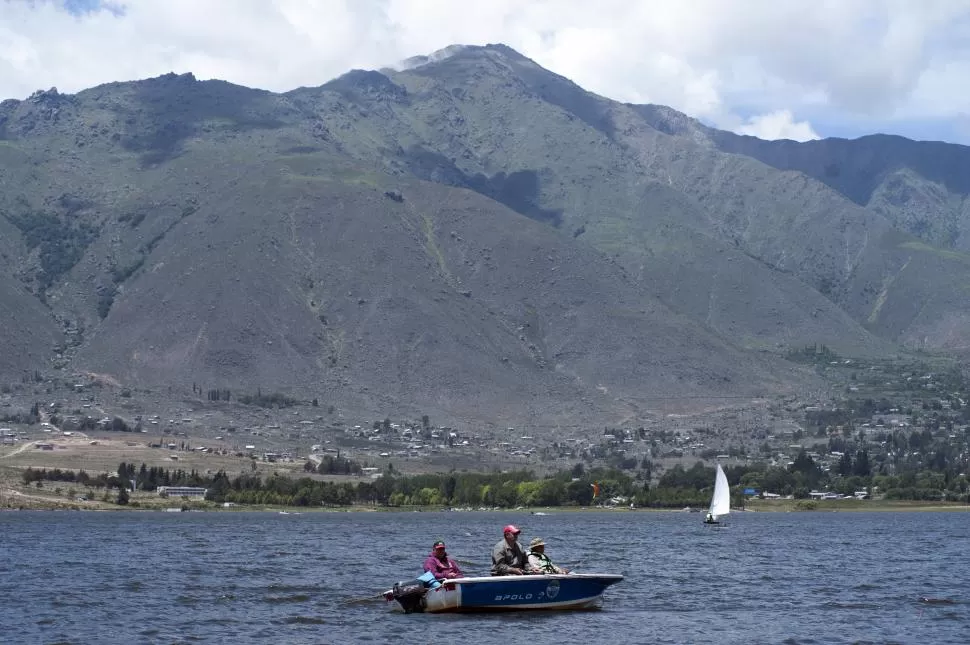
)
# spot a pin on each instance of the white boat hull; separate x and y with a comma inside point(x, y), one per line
point(518, 593)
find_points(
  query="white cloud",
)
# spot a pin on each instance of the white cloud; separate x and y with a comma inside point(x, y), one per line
point(779, 124)
point(828, 60)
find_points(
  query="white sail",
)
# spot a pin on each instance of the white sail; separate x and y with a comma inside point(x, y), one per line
point(721, 502)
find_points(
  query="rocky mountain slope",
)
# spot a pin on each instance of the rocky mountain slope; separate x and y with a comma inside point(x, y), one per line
point(472, 237)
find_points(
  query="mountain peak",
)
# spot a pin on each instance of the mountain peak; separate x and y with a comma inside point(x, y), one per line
point(458, 49)
point(434, 57)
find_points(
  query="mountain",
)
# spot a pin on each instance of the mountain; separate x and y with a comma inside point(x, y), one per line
point(907, 288)
point(921, 187)
point(472, 237)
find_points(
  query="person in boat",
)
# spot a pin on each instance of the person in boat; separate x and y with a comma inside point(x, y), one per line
point(508, 558)
point(539, 562)
point(439, 564)
point(709, 519)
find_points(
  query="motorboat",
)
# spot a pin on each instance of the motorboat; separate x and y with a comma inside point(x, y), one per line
point(502, 593)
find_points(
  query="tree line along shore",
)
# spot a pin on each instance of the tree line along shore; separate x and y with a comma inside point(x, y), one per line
point(678, 488)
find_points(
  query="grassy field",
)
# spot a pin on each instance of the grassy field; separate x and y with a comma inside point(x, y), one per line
point(96, 455)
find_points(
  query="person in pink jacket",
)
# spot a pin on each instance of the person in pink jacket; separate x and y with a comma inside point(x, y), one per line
point(439, 564)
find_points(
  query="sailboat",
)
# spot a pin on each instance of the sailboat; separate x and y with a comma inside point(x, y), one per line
point(721, 502)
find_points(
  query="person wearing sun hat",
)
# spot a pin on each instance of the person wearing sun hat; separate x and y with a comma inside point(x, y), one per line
point(539, 561)
point(439, 564)
point(508, 558)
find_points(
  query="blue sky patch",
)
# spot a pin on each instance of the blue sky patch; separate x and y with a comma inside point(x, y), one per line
point(82, 7)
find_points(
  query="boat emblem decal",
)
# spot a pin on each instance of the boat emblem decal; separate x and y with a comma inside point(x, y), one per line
point(552, 589)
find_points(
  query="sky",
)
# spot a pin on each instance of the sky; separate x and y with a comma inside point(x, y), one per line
point(796, 69)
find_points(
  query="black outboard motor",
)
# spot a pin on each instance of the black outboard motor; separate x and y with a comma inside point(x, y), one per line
point(410, 595)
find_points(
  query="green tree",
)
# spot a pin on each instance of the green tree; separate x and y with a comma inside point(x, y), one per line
point(448, 486)
point(552, 492)
point(845, 465)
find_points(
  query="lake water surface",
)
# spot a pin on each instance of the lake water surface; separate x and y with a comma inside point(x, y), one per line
point(792, 578)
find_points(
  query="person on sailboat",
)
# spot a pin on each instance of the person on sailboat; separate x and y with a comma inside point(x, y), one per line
point(508, 558)
point(539, 562)
point(439, 564)
point(709, 518)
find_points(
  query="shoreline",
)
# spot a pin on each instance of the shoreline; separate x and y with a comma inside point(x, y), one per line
point(16, 501)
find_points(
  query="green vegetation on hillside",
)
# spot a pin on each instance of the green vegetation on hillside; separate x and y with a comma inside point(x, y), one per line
point(61, 243)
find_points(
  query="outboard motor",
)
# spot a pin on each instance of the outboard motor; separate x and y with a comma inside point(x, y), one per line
point(410, 595)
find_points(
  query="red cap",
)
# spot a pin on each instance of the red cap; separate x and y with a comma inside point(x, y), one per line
point(511, 528)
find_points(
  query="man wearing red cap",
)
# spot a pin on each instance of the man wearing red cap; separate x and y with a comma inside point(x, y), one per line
point(508, 558)
point(440, 564)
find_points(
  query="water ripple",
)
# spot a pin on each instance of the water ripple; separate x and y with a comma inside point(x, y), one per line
point(795, 578)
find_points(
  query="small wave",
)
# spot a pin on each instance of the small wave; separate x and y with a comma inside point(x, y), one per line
point(219, 621)
point(850, 605)
point(304, 620)
point(276, 587)
point(75, 604)
point(278, 600)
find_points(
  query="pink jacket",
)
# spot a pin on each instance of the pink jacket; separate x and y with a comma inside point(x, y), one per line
point(441, 570)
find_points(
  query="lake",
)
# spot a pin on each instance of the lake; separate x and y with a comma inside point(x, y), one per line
point(239, 577)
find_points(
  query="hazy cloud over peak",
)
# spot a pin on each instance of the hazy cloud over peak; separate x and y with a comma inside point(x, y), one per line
point(778, 125)
point(795, 69)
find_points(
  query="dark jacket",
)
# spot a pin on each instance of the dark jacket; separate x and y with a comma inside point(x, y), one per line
point(505, 556)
